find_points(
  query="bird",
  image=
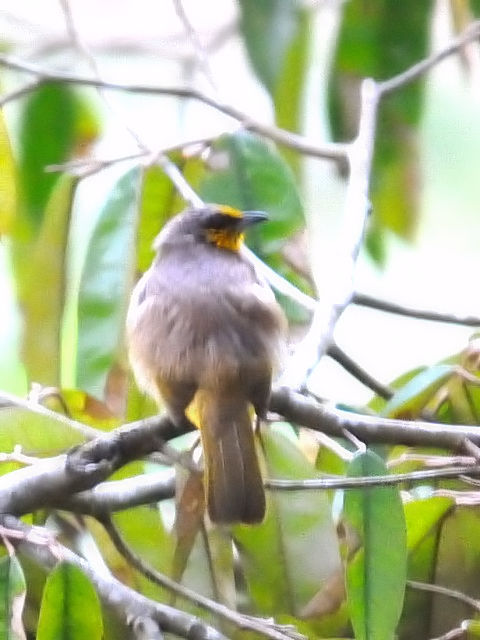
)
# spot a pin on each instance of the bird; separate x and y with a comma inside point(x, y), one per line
point(205, 335)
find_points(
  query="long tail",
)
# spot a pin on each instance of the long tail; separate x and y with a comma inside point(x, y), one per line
point(233, 481)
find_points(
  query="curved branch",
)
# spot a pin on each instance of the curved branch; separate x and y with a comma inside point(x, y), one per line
point(332, 150)
point(365, 300)
point(246, 623)
point(472, 32)
point(127, 603)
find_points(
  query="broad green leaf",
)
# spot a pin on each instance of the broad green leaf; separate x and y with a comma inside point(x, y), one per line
point(38, 434)
point(461, 409)
point(379, 41)
point(158, 195)
point(425, 519)
point(289, 90)
point(70, 608)
point(268, 28)
point(417, 610)
point(106, 283)
point(250, 174)
point(472, 627)
point(47, 136)
point(412, 398)
point(12, 598)
point(298, 532)
point(377, 572)
point(160, 201)
point(421, 516)
point(457, 566)
point(277, 38)
point(8, 179)
point(43, 285)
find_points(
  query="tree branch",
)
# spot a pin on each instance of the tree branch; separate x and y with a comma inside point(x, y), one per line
point(51, 481)
point(309, 413)
point(116, 495)
point(246, 623)
point(357, 372)
point(365, 300)
point(333, 150)
point(356, 209)
point(371, 481)
point(471, 33)
point(445, 591)
point(127, 603)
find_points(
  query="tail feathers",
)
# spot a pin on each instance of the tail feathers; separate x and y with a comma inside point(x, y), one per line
point(233, 481)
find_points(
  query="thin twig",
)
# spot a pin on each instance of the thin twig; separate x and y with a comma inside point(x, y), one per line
point(84, 52)
point(365, 300)
point(263, 627)
point(178, 179)
point(452, 634)
point(20, 92)
point(472, 32)
point(370, 481)
point(463, 498)
point(430, 460)
point(302, 144)
point(445, 591)
point(358, 372)
point(199, 49)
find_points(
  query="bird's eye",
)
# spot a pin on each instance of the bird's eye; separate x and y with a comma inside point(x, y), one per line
point(217, 220)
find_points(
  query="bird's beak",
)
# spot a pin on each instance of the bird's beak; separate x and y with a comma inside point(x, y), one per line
point(250, 218)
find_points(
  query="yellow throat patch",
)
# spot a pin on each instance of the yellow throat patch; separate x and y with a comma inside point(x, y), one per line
point(225, 239)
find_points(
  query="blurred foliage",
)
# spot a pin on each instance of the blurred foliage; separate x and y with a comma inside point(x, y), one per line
point(277, 35)
point(330, 563)
point(378, 39)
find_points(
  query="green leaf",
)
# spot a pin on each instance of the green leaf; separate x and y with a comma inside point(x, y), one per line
point(277, 37)
point(12, 598)
point(416, 615)
point(298, 532)
point(289, 89)
point(105, 284)
point(421, 516)
point(250, 174)
point(8, 186)
point(158, 195)
point(377, 572)
point(379, 40)
point(42, 287)
point(412, 398)
point(39, 434)
point(377, 404)
point(70, 608)
point(268, 28)
point(47, 136)
point(457, 566)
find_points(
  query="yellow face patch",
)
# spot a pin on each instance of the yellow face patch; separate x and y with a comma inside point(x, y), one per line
point(230, 211)
point(225, 239)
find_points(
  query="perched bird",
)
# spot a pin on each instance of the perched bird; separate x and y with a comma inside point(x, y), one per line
point(205, 333)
